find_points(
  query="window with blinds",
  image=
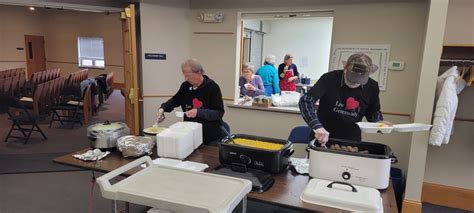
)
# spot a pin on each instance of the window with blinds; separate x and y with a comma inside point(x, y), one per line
point(90, 52)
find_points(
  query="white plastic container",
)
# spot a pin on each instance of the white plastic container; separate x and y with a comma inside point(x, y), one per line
point(175, 143)
point(342, 196)
point(195, 127)
point(188, 165)
point(411, 127)
point(372, 127)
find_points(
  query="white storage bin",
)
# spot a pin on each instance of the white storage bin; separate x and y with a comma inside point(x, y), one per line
point(175, 143)
point(194, 126)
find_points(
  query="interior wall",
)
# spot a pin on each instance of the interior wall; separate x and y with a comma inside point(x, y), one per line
point(15, 23)
point(452, 164)
point(308, 40)
point(64, 27)
point(165, 28)
point(460, 23)
point(218, 52)
point(60, 29)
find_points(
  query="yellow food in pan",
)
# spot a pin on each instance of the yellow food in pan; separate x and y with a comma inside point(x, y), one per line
point(257, 144)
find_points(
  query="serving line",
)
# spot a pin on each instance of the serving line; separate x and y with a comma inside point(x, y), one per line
point(285, 192)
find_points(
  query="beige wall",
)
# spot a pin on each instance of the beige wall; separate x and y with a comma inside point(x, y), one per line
point(460, 23)
point(165, 29)
point(15, 22)
point(382, 22)
point(453, 164)
point(60, 30)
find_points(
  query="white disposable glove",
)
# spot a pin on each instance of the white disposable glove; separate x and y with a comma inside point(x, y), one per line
point(160, 116)
point(321, 135)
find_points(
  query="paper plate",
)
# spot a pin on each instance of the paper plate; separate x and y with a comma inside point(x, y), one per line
point(153, 130)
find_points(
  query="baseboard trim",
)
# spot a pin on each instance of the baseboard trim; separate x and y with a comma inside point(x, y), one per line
point(118, 85)
point(449, 196)
point(411, 206)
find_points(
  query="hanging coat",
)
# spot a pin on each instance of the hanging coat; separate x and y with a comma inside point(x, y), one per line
point(448, 87)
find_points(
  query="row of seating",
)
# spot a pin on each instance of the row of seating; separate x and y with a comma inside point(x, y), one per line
point(14, 86)
point(78, 77)
point(11, 72)
point(43, 76)
point(62, 98)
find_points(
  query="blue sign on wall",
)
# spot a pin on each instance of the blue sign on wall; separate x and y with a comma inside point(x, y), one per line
point(155, 56)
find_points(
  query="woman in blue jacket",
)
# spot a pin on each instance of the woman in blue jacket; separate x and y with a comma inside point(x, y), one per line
point(269, 76)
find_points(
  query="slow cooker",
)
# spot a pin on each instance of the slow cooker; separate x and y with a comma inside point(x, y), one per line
point(273, 161)
point(367, 165)
point(104, 135)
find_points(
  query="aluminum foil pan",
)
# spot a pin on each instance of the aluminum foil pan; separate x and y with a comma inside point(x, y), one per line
point(135, 146)
point(301, 165)
point(91, 155)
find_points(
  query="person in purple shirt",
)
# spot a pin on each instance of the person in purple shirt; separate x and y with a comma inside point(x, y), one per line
point(250, 84)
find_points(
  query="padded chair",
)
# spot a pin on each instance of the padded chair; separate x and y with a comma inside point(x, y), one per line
point(20, 118)
point(301, 134)
point(226, 127)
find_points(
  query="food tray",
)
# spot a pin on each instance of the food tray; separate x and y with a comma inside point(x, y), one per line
point(412, 127)
point(372, 127)
point(174, 189)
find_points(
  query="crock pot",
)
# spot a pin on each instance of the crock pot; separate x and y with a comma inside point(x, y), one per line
point(104, 135)
point(370, 166)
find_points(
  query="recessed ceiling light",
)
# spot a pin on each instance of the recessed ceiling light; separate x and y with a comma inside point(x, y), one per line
point(32, 8)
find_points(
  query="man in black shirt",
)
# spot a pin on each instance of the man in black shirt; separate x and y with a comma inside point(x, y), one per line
point(200, 99)
point(345, 97)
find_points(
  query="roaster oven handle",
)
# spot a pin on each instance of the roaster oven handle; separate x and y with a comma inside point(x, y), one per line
point(394, 158)
point(342, 183)
point(288, 152)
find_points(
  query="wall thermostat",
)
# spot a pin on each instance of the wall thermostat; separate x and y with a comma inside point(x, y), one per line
point(396, 65)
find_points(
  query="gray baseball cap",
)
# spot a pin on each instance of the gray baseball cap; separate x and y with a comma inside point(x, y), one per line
point(359, 67)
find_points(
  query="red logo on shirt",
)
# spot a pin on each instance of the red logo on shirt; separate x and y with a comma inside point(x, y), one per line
point(351, 103)
point(197, 103)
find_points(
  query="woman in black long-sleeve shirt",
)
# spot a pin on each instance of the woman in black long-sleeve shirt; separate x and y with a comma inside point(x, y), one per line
point(200, 99)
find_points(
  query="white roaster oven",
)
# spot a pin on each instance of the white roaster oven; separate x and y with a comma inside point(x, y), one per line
point(342, 177)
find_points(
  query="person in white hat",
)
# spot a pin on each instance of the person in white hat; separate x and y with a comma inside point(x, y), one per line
point(345, 97)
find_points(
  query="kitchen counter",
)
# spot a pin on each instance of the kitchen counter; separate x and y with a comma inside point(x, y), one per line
point(292, 110)
point(286, 190)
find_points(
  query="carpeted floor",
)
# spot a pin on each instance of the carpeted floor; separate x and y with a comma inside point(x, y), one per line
point(33, 163)
point(61, 139)
point(37, 154)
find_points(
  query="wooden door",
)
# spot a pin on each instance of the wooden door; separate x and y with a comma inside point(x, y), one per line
point(35, 54)
point(130, 69)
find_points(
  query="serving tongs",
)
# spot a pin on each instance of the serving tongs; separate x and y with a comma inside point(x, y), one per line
point(228, 134)
point(159, 120)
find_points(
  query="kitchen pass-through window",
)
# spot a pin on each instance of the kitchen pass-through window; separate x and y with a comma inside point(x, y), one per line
point(90, 52)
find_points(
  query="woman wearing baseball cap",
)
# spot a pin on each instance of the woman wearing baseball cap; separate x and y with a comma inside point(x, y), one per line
point(345, 97)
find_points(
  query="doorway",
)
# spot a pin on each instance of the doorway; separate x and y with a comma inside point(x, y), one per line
point(35, 54)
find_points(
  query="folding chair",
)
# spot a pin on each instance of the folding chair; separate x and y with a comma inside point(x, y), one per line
point(20, 118)
point(70, 101)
